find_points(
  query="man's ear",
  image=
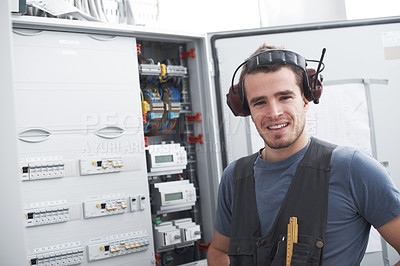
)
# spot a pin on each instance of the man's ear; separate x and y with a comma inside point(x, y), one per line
point(306, 103)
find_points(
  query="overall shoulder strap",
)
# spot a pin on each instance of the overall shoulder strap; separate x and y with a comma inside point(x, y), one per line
point(244, 209)
point(244, 167)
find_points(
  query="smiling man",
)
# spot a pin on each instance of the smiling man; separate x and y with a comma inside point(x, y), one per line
point(335, 193)
point(278, 110)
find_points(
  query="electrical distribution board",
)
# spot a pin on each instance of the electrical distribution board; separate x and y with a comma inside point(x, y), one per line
point(113, 153)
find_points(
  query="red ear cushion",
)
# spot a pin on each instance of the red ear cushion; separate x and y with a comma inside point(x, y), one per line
point(234, 102)
point(316, 92)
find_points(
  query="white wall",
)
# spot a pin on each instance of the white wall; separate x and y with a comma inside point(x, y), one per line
point(208, 15)
point(222, 15)
point(358, 9)
point(286, 12)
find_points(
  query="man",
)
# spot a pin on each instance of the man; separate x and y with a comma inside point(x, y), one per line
point(336, 193)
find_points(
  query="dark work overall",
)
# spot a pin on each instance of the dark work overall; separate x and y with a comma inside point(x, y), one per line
point(306, 199)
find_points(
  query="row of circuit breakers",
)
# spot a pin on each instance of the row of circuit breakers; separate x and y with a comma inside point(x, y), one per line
point(166, 197)
point(107, 247)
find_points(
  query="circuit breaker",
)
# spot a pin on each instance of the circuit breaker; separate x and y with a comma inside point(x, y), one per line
point(44, 213)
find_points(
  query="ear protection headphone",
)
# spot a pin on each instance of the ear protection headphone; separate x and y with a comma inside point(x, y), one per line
point(312, 81)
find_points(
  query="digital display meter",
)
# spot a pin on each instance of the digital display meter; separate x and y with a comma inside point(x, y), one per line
point(172, 196)
point(165, 159)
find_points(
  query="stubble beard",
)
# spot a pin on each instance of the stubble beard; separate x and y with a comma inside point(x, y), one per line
point(277, 144)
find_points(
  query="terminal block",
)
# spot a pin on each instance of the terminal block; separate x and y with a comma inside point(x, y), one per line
point(176, 71)
point(47, 213)
point(118, 245)
point(149, 69)
point(108, 205)
point(64, 254)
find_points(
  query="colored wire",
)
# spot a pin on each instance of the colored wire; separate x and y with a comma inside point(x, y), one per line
point(165, 125)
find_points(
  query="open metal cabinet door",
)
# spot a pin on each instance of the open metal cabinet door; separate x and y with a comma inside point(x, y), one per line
point(363, 52)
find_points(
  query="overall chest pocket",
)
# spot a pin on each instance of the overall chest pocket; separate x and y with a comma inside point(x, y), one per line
point(307, 252)
point(241, 251)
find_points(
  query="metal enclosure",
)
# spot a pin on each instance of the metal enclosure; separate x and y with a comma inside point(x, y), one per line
point(82, 149)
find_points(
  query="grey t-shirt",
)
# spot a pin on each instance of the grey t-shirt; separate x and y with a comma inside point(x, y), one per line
point(361, 194)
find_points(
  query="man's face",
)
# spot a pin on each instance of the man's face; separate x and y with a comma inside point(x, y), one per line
point(278, 109)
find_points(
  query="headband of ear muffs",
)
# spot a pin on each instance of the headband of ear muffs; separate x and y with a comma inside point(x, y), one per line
point(312, 82)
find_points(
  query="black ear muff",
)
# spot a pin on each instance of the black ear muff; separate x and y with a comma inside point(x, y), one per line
point(312, 81)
